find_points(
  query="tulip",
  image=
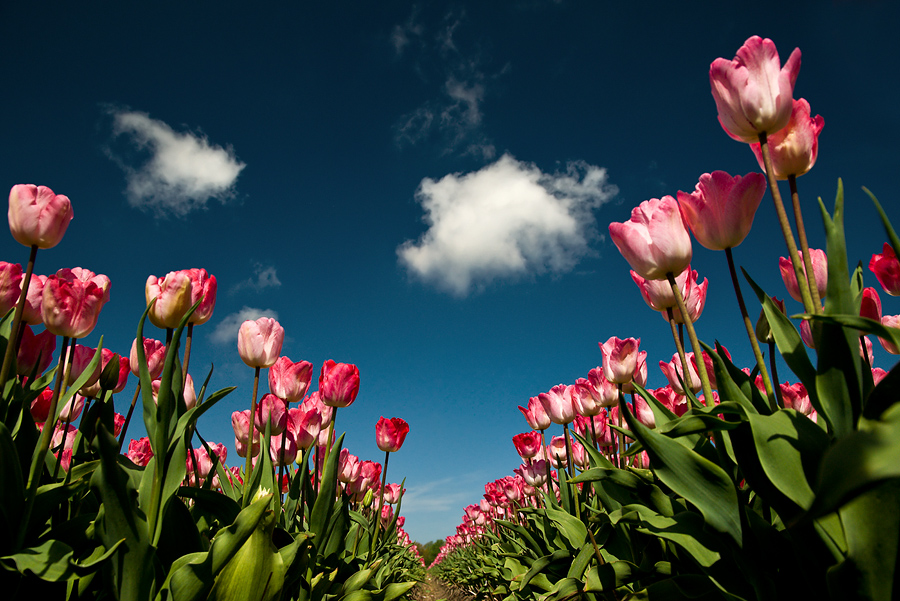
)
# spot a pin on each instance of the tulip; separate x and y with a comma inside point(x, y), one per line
point(886, 268)
point(583, 397)
point(173, 298)
point(870, 305)
point(240, 422)
point(283, 449)
point(820, 269)
point(72, 408)
point(579, 455)
point(155, 353)
point(188, 393)
point(534, 473)
point(796, 397)
point(605, 393)
point(527, 444)
point(535, 414)
point(203, 286)
point(31, 313)
point(392, 493)
point(40, 406)
point(673, 401)
point(890, 321)
point(289, 381)
point(640, 374)
point(390, 434)
point(348, 466)
point(271, 410)
point(121, 371)
point(556, 450)
point(259, 342)
point(10, 286)
point(658, 293)
point(304, 425)
point(72, 300)
point(721, 208)
point(80, 357)
point(37, 216)
point(694, 300)
point(753, 92)
point(558, 404)
point(708, 362)
point(763, 331)
point(620, 358)
point(326, 413)
point(655, 241)
point(35, 350)
point(338, 383)
point(794, 148)
point(643, 413)
point(675, 374)
point(878, 375)
point(139, 451)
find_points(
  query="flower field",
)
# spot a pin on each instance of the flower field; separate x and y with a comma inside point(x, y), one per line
point(731, 482)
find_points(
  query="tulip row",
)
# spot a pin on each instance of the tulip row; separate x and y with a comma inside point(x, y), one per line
point(677, 494)
point(166, 520)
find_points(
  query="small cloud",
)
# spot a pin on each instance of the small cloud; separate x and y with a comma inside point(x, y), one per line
point(183, 172)
point(263, 277)
point(435, 496)
point(227, 330)
point(403, 35)
point(506, 220)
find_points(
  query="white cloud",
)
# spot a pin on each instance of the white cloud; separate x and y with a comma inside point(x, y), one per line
point(263, 277)
point(506, 220)
point(445, 495)
point(183, 172)
point(226, 331)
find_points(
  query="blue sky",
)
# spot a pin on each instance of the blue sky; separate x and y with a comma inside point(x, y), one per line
point(422, 189)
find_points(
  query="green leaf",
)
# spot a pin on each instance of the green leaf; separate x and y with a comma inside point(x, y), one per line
point(52, 561)
point(569, 526)
point(692, 476)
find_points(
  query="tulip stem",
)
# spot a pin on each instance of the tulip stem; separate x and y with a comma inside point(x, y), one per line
point(570, 460)
point(187, 350)
point(12, 343)
point(751, 333)
point(804, 245)
point(695, 344)
point(785, 225)
point(249, 465)
point(621, 437)
point(387, 455)
point(778, 395)
point(679, 347)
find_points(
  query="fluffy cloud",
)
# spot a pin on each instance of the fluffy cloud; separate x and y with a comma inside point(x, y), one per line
point(505, 220)
point(263, 277)
point(183, 170)
point(227, 330)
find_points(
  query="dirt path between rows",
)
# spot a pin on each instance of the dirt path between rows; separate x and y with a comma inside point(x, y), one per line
point(435, 590)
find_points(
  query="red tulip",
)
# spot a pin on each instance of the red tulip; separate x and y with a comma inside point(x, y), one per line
point(620, 357)
point(122, 371)
point(37, 216)
point(535, 414)
point(40, 406)
point(338, 384)
point(289, 381)
point(871, 305)
point(820, 268)
point(259, 342)
point(305, 423)
point(36, 350)
point(655, 241)
point(72, 300)
point(139, 451)
point(796, 147)
point(753, 92)
point(674, 402)
point(886, 268)
point(721, 208)
point(390, 434)
point(528, 444)
point(31, 313)
point(271, 410)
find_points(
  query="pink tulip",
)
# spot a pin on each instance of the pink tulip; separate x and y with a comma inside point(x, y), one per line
point(890, 321)
point(579, 455)
point(37, 216)
point(673, 401)
point(173, 298)
point(556, 450)
point(36, 350)
point(10, 286)
point(605, 393)
point(203, 286)
point(121, 374)
point(796, 397)
point(534, 473)
point(271, 410)
point(304, 425)
point(721, 208)
point(528, 444)
point(583, 397)
point(390, 434)
point(674, 373)
point(259, 342)
point(655, 241)
point(118, 423)
point(640, 374)
point(753, 93)
point(620, 357)
point(154, 351)
point(338, 383)
point(820, 269)
point(72, 300)
point(326, 413)
point(80, 356)
point(643, 412)
point(188, 393)
point(878, 375)
point(694, 300)
point(240, 422)
point(870, 305)
point(289, 381)
point(886, 268)
point(348, 467)
point(392, 493)
point(806, 334)
point(283, 455)
point(558, 404)
point(31, 312)
point(708, 362)
point(139, 451)
point(658, 293)
point(70, 411)
point(794, 148)
point(535, 414)
point(865, 348)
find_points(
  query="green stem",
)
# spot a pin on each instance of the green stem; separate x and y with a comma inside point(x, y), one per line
point(748, 325)
point(785, 226)
point(679, 347)
point(248, 469)
point(387, 455)
point(187, 350)
point(804, 245)
point(570, 460)
point(621, 437)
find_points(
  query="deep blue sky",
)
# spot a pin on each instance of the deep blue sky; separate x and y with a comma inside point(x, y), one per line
point(296, 143)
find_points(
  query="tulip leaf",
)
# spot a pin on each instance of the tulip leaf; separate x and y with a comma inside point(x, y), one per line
point(569, 526)
point(53, 560)
point(691, 476)
point(324, 504)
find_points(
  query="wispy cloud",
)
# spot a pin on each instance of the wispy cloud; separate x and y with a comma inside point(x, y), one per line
point(226, 331)
point(506, 220)
point(262, 278)
point(182, 171)
point(436, 496)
